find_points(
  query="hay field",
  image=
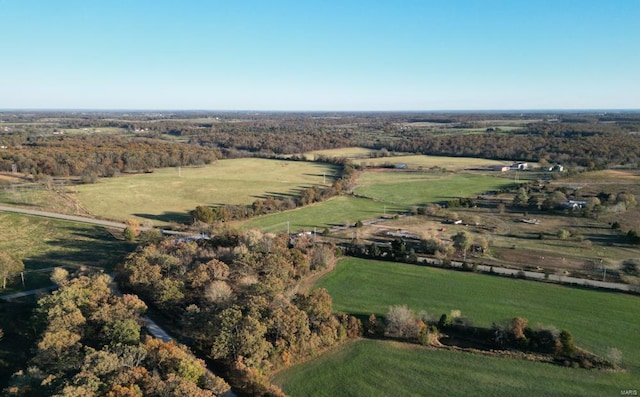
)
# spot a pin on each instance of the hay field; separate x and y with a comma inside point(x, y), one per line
point(169, 194)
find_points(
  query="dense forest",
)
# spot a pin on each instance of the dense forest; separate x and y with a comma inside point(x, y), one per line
point(98, 155)
point(248, 286)
point(92, 343)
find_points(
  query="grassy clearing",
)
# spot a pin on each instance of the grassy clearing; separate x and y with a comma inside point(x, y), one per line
point(36, 196)
point(166, 195)
point(598, 321)
point(383, 368)
point(411, 188)
point(335, 212)
point(349, 152)
point(363, 156)
point(44, 243)
point(426, 162)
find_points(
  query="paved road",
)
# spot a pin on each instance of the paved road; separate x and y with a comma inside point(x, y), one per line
point(539, 276)
point(27, 293)
point(74, 218)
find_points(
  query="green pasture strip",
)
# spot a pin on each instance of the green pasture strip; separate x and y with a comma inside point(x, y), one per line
point(426, 162)
point(598, 320)
point(335, 212)
point(169, 194)
point(383, 368)
point(411, 188)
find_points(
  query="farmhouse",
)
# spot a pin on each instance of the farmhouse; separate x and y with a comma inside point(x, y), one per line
point(519, 166)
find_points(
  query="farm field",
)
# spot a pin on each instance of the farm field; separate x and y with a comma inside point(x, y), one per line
point(598, 320)
point(36, 196)
point(335, 212)
point(43, 243)
point(513, 242)
point(365, 157)
point(348, 152)
point(427, 162)
point(166, 195)
point(412, 188)
point(385, 368)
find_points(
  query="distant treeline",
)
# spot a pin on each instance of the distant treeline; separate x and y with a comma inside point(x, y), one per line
point(98, 155)
point(36, 144)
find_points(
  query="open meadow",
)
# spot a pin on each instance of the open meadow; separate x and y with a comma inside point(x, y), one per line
point(169, 194)
point(347, 152)
point(598, 321)
point(412, 188)
point(423, 162)
point(385, 368)
point(368, 158)
point(338, 211)
point(43, 244)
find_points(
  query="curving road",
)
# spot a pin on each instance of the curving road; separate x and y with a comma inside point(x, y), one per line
point(74, 218)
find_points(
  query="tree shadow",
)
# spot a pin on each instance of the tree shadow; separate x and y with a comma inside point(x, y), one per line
point(167, 216)
point(93, 246)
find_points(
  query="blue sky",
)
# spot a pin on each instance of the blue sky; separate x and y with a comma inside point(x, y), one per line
point(320, 55)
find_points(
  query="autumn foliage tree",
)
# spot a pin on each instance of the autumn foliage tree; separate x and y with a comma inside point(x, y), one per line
point(92, 344)
point(235, 297)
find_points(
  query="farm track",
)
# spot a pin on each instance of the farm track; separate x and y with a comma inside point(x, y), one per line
point(73, 218)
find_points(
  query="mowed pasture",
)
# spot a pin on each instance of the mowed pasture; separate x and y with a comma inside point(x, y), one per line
point(367, 158)
point(339, 211)
point(598, 320)
point(169, 194)
point(43, 243)
point(423, 162)
point(412, 188)
point(384, 368)
point(348, 152)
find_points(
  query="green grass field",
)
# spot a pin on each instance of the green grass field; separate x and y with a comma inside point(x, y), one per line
point(364, 156)
point(384, 368)
point(166, 195)
point(411, 188)
point(348, 152)
point(598, 320)
point(43, 243)
point(334, 212)
point(426, 162)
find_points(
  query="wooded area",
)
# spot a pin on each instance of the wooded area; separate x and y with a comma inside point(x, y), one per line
point(62, 144)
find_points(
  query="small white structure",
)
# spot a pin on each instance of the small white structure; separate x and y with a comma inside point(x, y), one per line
point(574, 204)
point(556, 167)
point(521, 166)
point(500, 168)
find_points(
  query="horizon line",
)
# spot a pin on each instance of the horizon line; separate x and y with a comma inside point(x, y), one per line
point(513, 110)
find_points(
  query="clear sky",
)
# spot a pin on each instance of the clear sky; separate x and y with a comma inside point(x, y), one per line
point(320, 55)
